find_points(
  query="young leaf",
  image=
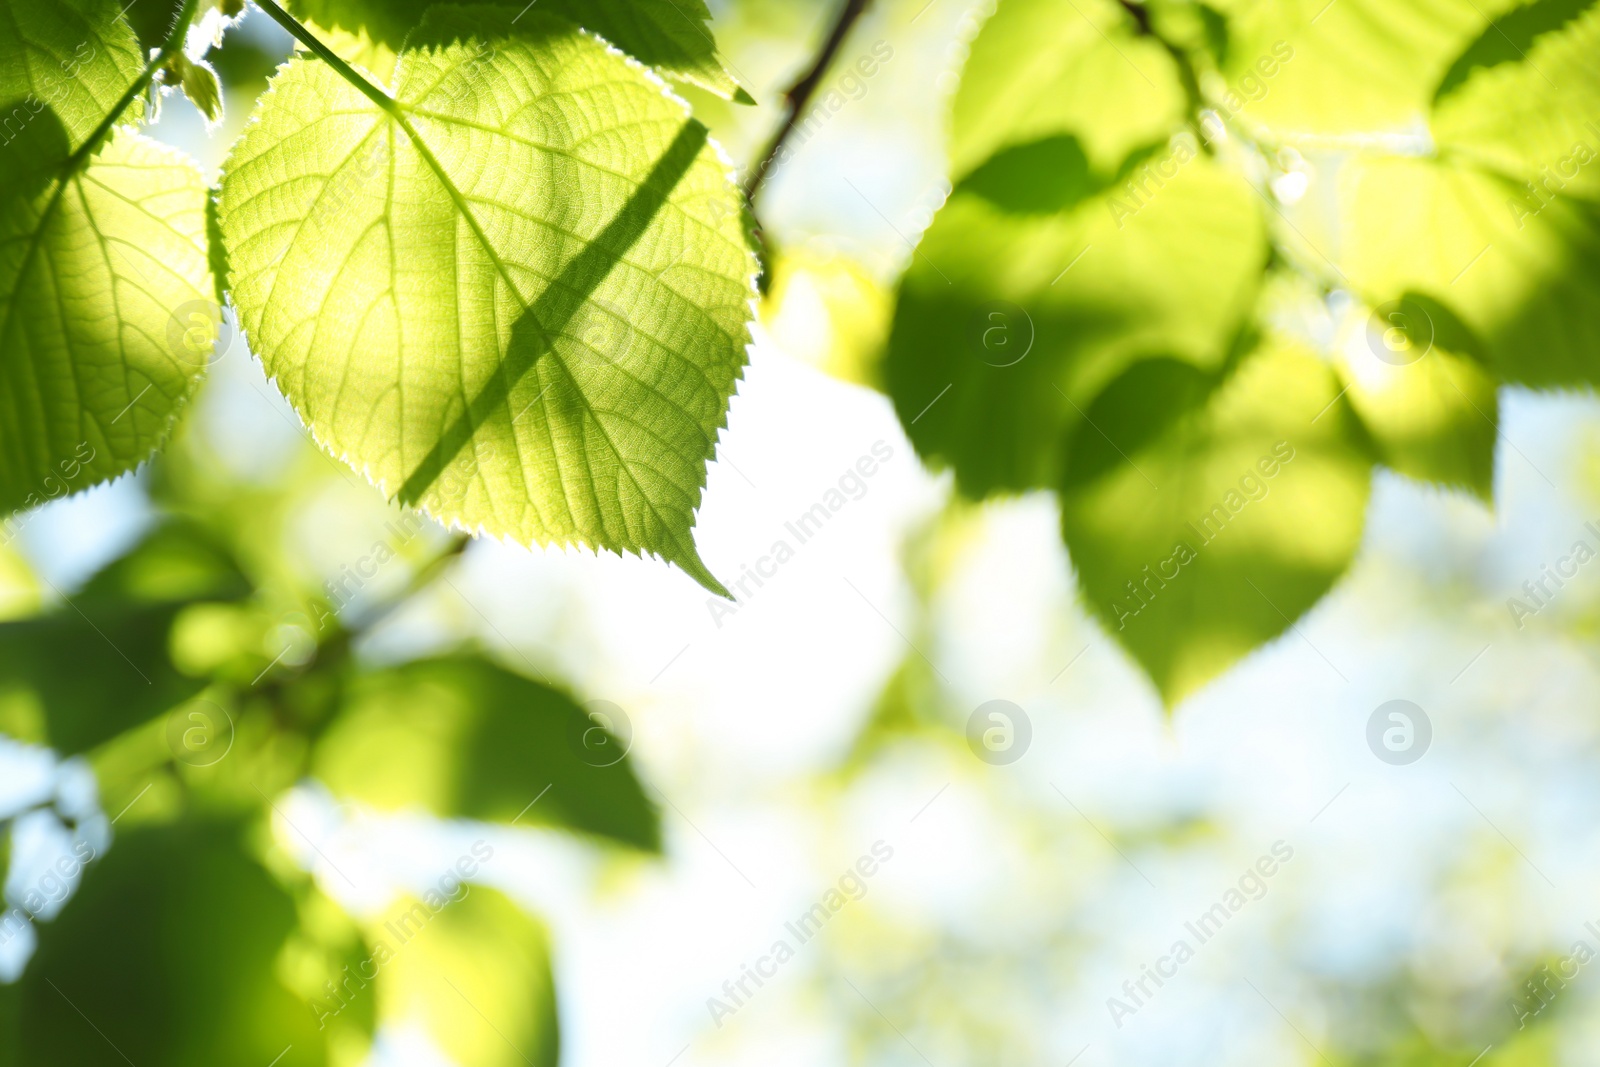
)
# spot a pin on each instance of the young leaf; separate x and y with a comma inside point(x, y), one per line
point(516, 294)
point(1203, 523)
point(1082, 235)
point(103, 274)
point(464, 738)
point(673, 36)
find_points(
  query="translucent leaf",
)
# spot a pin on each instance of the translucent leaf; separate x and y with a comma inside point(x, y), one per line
point(1202, 521)
point(75, 57)
point(1502, 226)
point(462, 737)
point(673, 36)
point(474, 970)
point(1042, 68)
point(1009, 322)
point(202, 925)
point(1359, 67)
point(1431, 408)
point(517, 295)
point(103, 273)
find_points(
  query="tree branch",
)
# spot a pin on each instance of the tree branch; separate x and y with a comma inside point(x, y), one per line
point(800, 93)
point(1185, 66)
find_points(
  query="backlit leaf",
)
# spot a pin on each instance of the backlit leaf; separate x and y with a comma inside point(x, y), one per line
point(105, 320)
point(673, 36)
point(1202, 523)
point(517, 295)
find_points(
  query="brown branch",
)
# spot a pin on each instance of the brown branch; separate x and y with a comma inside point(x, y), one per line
point(800, 93)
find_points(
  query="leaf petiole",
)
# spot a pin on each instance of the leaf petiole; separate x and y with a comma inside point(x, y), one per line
point(297, 29)
point(174, 41)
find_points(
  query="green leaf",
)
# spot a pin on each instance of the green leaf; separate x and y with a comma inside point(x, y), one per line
point(474, 970)
point(1042, 68)
point(516, 295)
point(672, 36)
point(1085, 232)
point(462, 737)
point(103, 274)
point(1508, 39)
point(1502, 224)
point(76, 57)
point(1431, 410)
point(1202, 521)
point(202, 926)
point(101, 664)
point(1010, 322)
point(1368, 68)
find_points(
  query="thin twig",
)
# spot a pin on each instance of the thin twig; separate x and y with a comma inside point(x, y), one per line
point(800, 93)
point(1187, 75)
point(421, 578)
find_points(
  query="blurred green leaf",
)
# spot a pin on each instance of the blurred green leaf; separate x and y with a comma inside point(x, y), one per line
point(463, 737)
point(1431, 409)
point(475, 972)
point(1365, 67)
point(169, 954)
point(1223, 516)
point(1509, 39)
point(1044, 68)
point(567, 385)
point(1009, 324)
point(1501, 223)
point(178, 560)
point(101, 664)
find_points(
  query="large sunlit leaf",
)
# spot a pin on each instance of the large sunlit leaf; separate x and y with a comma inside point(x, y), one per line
point(76, 57)
point(517, 296)
point(1201, 523)
point(462, 737)
point(473, 970)
point(170, 953)
point(103, 274)
point(672, 36)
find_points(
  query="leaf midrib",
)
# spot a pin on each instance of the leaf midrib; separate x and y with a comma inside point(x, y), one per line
point(400, 114)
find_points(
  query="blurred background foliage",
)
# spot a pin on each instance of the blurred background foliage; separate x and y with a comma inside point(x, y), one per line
point(261, 724)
